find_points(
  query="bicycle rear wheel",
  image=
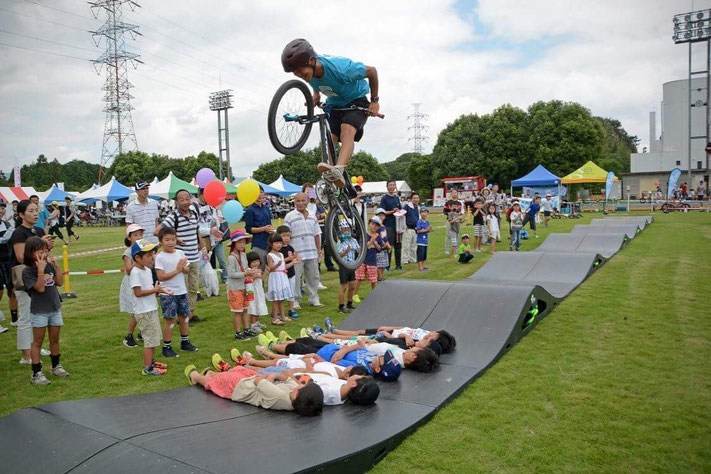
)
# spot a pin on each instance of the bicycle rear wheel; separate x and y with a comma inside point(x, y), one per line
point(343, 218)
point(292, 99)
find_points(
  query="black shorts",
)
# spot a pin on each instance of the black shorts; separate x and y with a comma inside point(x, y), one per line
point(356, 118)
point(547, 213)
point(304, 345)
point(421, 253)
point(5, 276)
point(346, 276)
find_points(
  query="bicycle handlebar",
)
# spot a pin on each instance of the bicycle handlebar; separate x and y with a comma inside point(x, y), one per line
point(352, 107)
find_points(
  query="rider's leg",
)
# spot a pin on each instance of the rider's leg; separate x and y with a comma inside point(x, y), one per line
point(348, 133)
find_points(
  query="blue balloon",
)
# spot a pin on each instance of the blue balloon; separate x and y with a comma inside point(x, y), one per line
point(490, 186)
point(232, 211)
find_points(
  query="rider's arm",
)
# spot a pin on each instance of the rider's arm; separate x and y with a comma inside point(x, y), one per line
point(372, 75)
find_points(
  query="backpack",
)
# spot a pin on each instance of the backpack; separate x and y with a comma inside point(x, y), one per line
point(524, 234)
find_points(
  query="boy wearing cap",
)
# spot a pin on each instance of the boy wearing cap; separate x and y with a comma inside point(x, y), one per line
point(465, 252)
point(346, 248)
point(547, 206)
point(171, 268)
point(369, 267)
point(146, 306)
point(423, 229)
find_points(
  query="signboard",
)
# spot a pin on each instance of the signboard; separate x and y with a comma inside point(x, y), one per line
point(438, 197)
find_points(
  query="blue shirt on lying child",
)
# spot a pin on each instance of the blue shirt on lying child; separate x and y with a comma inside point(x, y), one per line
point(362, 357)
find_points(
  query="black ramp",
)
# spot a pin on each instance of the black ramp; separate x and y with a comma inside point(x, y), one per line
point(558, 242)
point(275, 442)
point(630, 230)
point(431, 389)
point(125, 457)
point(124, 417)
point(487, 319)
point(397, 303)
point(641, 221)
point(558, 273)
point(35, 441)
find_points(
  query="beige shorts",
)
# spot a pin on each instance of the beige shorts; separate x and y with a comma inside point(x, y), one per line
point(149, 325)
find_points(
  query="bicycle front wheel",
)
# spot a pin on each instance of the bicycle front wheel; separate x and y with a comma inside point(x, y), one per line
point(291, 101)
point(343, 219)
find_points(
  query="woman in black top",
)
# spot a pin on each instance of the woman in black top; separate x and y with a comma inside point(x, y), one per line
point(27, 215)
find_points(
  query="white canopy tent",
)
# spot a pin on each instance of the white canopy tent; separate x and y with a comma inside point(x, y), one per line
point(381, 187)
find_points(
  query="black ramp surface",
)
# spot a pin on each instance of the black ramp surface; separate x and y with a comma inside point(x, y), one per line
point(559, 242)
point(487, 319)
point(38, 442)
point(630, 230)
point(431, 389)
point(124, 417)
point(558, 273)
point(606, 245)
point(125, 457)
point(276, 442)
point(397, 303)
point(641, 221)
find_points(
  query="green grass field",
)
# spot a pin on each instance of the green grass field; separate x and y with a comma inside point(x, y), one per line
point(617, 378)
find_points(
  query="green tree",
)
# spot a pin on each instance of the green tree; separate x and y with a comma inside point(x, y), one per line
point(616, 147)
point(80, 175)
point(366, 165)
point(131, 167)
point(398, 168)
point(420, 176)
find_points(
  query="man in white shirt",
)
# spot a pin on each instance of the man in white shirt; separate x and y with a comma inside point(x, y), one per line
point(306, 240)
point(144, 212)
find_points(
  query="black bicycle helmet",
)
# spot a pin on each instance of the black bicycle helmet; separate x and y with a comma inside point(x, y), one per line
point(296, 54)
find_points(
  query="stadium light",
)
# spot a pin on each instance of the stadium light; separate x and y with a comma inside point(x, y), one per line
point(692, 27)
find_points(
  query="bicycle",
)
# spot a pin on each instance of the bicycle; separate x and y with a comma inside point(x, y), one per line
point(289, 123)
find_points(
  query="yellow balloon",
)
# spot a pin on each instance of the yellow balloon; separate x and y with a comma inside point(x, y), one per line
point(354, 180)
point(247, 192)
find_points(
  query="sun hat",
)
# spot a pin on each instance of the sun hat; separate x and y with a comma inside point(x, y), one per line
point(376, 219)
point(238, 235)
point(133, 228)
point(141, 246)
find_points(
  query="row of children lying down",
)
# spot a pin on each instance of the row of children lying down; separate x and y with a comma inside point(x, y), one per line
point(322, 368)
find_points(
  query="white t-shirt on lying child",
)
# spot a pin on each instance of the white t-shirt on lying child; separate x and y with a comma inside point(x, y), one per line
point(416, 334)
point(168, 262)
point(382, 347)
point(295, 361)
point(330, 386)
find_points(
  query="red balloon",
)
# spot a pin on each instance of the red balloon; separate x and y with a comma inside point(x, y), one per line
point(215, 193)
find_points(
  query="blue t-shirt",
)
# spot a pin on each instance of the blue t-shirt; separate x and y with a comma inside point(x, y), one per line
point(423, 238)
point(533, 210)
point(362, 357)
point(42, 218)
point(343, 80)
point(371, 254)
point(389, 203)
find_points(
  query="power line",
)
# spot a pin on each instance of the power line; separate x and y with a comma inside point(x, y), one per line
point(60, 10)
point(42, 19)
point(45, 52)
point(47, 41)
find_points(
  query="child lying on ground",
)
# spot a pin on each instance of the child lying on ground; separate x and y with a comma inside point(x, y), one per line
point(271, 391)
point(411, 335)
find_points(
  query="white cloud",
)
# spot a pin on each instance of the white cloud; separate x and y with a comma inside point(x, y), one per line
point(610, 56)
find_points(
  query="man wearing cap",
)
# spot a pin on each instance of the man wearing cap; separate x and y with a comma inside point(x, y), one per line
point(144, 212)
point(391, 204)
point(258, 222)
point(306, 240)
point(547, 206)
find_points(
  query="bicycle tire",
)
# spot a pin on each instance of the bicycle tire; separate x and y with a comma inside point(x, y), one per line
point(273, 121)
point(332, 230)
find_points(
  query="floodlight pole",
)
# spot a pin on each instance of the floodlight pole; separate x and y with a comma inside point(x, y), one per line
point(221, 101)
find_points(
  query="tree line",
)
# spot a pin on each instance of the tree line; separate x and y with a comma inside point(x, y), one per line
point(502, 146)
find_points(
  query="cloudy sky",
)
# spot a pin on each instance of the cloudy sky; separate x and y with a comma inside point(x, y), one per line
point(453, 57)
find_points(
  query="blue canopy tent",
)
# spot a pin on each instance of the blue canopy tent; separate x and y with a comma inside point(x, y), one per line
point(56, 194)
point(286, 188)
point(111, 191)
point(539, 180)
point(267, 188)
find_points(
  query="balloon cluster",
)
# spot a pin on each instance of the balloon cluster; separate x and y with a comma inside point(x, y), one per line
point(359, 180)
point(215, 194)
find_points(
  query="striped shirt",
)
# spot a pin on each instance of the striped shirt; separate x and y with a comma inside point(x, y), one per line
point(145, 216)
point(186, 230)
point(303, 233)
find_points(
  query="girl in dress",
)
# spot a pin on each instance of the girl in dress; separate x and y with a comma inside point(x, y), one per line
point(134, 233)
point(258, 303)
point(278, 285)
point(492, 225)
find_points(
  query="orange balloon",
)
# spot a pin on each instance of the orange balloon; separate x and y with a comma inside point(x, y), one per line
point(360, 181)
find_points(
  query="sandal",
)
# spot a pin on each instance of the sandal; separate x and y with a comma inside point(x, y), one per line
point(261, 350)
point(277, 322)
point(219, 364)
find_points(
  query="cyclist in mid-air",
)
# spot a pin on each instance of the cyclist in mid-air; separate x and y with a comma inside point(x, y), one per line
point(343, 82)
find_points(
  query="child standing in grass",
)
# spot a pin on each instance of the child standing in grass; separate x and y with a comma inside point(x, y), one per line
point(258, 303)
point(492, 226)
point(478, 217)
point(346, 248)
point(383, 258)
point(290, 255)
point(369, 267)
point(238, 270)
point(171, 268)
point(134, 233)
point(41, 279)
point(423, 228)
point(278, 285)
point(146, 306)
point(516, 226)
